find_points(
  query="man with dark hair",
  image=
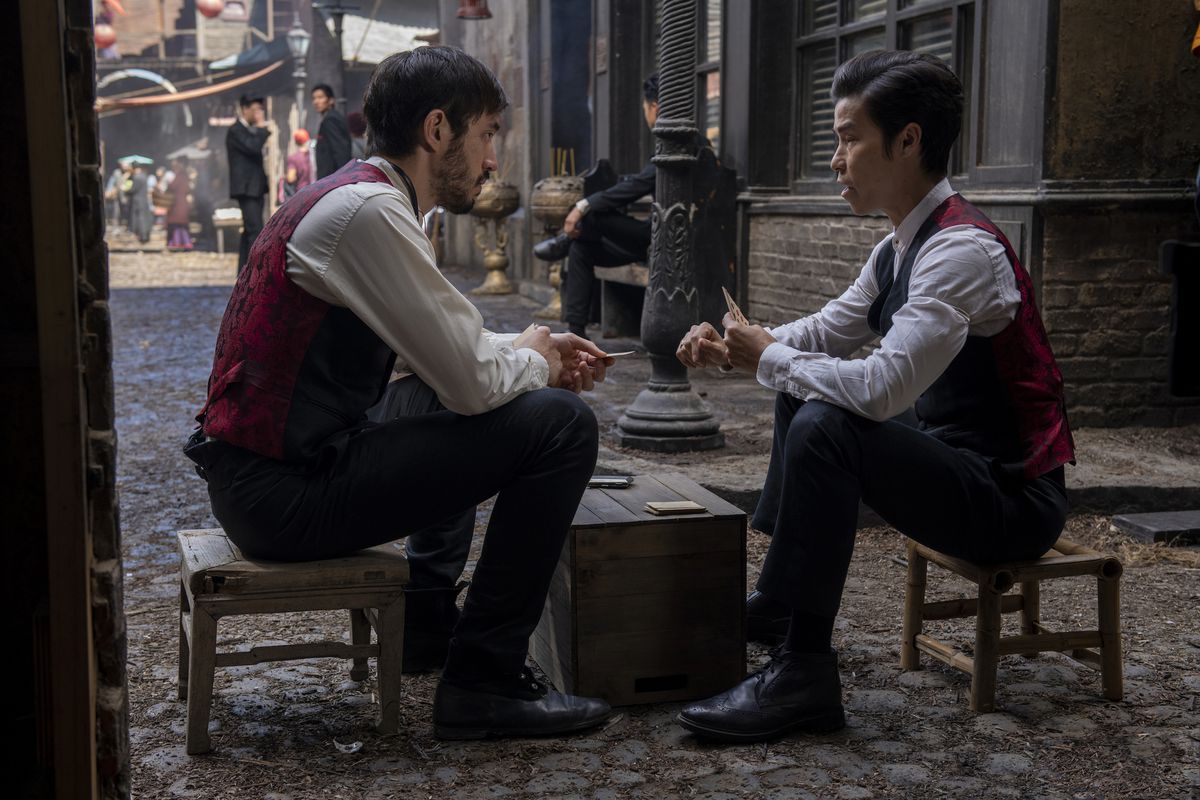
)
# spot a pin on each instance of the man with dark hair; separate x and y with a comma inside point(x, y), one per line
point(343, 286)
point(598, 232)
point(247, 177)
point(973, 469)
point(333, 137)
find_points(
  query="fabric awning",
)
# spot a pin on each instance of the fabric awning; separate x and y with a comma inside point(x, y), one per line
point(107, 104)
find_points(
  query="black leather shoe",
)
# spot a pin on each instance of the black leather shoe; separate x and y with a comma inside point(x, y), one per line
point(794, 692)
point(429, 619)
point(554, 249)
point(515, 708)
point(766, 621)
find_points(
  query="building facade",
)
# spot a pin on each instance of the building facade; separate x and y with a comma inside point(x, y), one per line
point(1076, 140)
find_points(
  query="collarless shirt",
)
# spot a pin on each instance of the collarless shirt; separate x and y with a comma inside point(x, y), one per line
point(361, 247)
point(961, 285)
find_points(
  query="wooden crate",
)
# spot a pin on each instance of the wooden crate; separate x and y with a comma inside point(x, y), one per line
point(645, 608)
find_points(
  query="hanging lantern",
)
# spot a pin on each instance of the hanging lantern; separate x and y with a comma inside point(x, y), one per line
point(210, 8)
point(104, 36)
point(473, 9)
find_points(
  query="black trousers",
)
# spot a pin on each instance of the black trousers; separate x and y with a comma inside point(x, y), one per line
point(419, 473)
point(607, 239)
point(252, 225)
point(825, 459)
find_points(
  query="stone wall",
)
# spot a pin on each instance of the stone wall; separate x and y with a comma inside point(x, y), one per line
point(1107, 310)
point(95, 331)
point(798, 263)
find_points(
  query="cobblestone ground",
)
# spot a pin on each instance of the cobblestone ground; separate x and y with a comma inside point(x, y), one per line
point(277, 727)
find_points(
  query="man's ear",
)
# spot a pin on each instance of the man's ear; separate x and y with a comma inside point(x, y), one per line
point(909, 140)
point(435, 131)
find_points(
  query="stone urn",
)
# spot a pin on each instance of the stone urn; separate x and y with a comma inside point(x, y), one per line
point(550, 202)
point(497, 200)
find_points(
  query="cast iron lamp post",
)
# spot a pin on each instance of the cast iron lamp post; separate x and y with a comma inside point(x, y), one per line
point(667, 416)
point(298, 40)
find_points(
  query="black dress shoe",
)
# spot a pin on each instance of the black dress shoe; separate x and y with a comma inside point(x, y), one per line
point(554, 249)
point(429, 619)
point(766, 621)
point(794, 692)
point(514, 708)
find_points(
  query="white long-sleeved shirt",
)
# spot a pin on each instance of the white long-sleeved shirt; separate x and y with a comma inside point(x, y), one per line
point(361, 247)
point(961, 285)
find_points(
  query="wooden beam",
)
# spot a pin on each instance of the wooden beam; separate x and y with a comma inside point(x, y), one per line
point(68, 537)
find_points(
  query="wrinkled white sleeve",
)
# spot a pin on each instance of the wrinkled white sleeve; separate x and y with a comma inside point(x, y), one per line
point(956, 282)
point(384, 271)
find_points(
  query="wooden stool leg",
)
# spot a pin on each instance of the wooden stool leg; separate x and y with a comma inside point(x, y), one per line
point(184, 654)
point(360, 634)
point(1031, 610)
point(987, 645)
point(1111, 666)
point(390, 633)
point(201, 664)
point(914, 602)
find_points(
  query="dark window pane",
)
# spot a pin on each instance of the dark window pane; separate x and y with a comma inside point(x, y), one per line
point(871, 40)
point(911, 3)
point(866, 9)
point(933, 34)
point(710, 43)
point(819, 65)
point(819, 15)
point(711, 111)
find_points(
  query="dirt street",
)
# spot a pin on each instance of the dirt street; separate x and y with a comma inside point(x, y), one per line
point(276, 727)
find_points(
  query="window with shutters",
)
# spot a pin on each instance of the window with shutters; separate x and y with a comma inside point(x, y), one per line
point(708, 72)
point(832, 31)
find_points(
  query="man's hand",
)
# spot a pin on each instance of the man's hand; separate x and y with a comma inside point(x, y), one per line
point(575, 363)
point(745, 343)
point(702, 346)
point(539, 340)
point(571, 224)
point(583, 364)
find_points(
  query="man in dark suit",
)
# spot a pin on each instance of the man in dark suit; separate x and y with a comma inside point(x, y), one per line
point(598, 232)
point(333, 137)
point(247, 178)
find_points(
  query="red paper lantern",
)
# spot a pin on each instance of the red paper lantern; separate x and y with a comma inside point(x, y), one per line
point(105, 36)
point(210, 8)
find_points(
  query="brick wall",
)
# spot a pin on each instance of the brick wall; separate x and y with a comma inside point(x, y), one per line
point(1105, 305)
point(798, 263)
point(1107, 311)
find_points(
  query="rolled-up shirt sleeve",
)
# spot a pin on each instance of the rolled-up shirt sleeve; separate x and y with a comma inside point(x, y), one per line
point(953, 286)
point(385, 273)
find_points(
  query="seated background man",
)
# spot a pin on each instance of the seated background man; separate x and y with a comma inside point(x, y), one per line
point(598, 232)
point(980, 475)
point(341, 286)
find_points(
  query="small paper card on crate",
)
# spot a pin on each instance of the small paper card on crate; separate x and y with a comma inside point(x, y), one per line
point(662, 507)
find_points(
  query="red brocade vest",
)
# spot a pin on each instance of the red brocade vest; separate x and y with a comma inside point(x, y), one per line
point(292, 372)
point(1002, 395)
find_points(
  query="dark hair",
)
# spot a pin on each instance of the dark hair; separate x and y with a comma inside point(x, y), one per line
point(357, 123)
point(248, 100)
point(323, 87)
point(405, 87)
point(898, 87)
point(650, 88)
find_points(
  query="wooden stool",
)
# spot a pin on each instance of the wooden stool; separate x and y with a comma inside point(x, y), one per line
point(216, 581)
point(1065, 559)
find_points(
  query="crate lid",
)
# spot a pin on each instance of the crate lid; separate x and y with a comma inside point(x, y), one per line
point(628, 506)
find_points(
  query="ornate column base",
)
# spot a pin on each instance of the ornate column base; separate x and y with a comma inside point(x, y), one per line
point(553, 310)
point(669, 418)
point(496, 281)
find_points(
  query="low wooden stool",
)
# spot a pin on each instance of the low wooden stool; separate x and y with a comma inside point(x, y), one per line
point(1065, 559)
point(216, 581)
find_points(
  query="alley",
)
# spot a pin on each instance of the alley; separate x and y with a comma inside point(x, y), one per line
point(280, 729)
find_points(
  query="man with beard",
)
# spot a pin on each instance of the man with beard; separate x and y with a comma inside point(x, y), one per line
point(341, 286)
